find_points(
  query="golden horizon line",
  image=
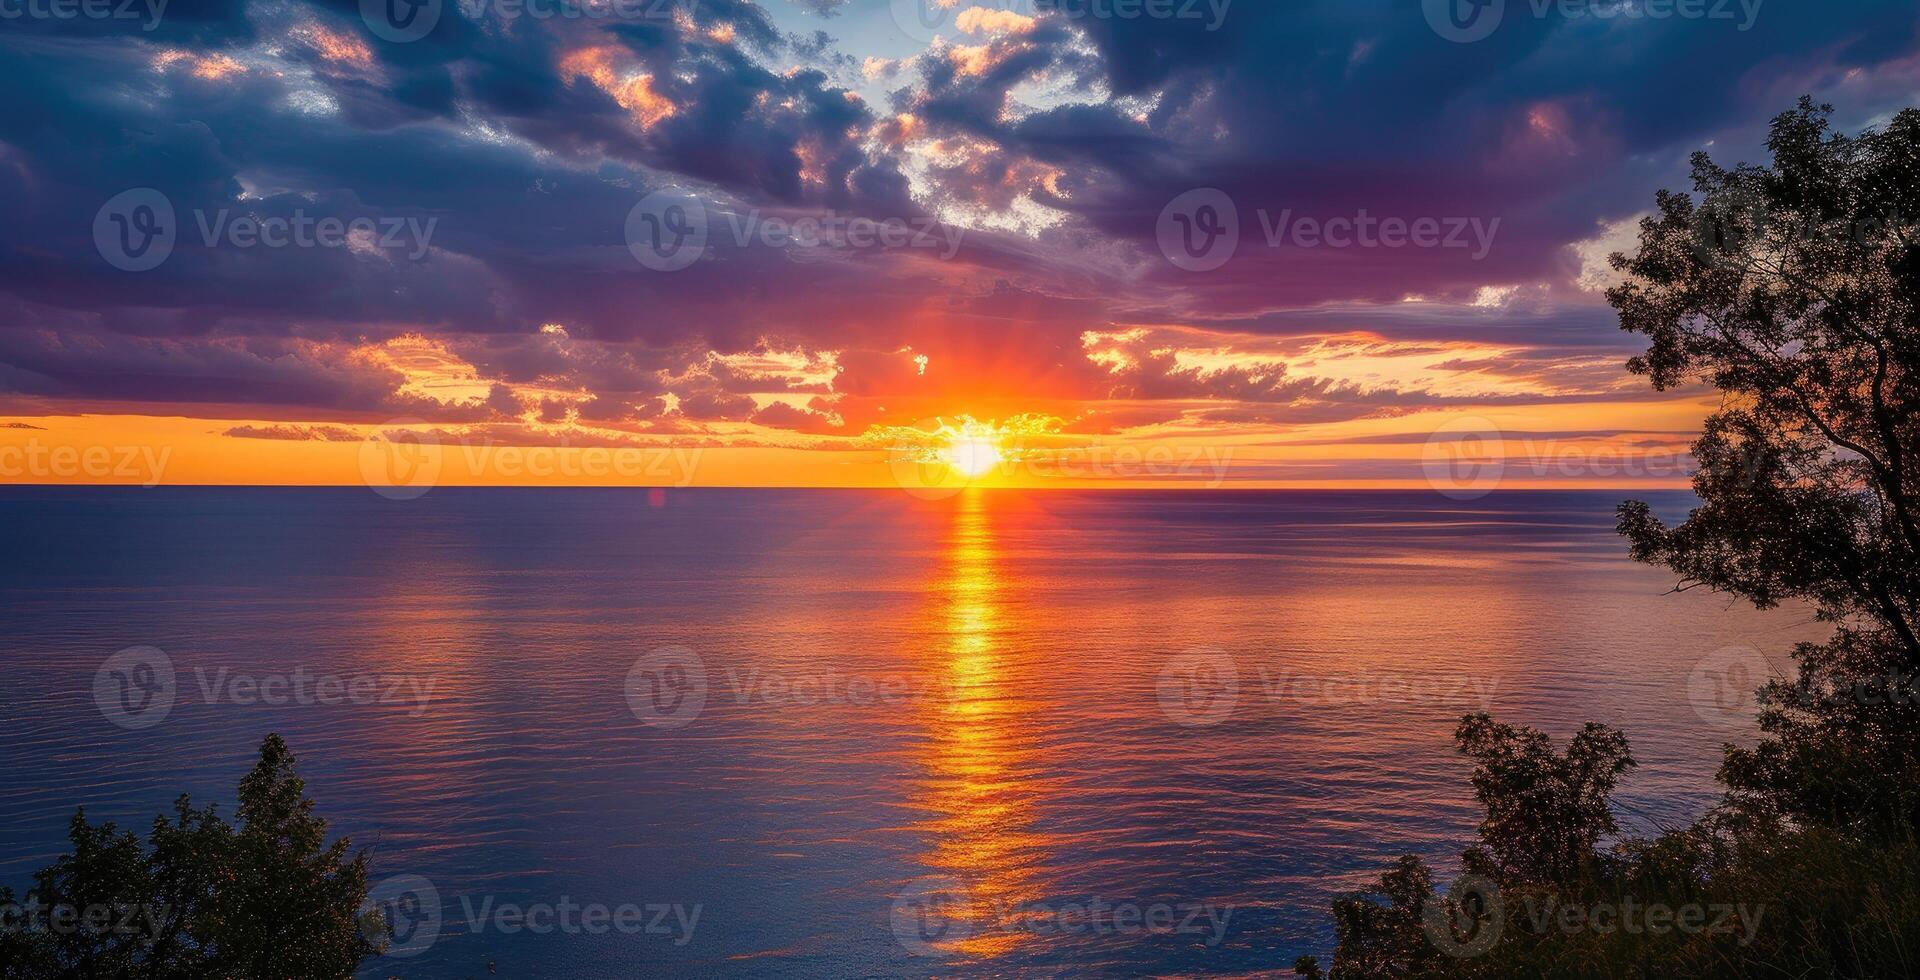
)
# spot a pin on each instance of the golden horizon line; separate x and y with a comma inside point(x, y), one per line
point(1116, 486)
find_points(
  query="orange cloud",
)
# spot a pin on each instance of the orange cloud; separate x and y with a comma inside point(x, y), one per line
point(633, 90)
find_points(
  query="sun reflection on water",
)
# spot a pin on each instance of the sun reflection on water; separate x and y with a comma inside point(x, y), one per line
point(980, 750)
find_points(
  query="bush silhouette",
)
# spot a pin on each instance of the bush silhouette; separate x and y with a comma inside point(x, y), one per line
point(263, 897)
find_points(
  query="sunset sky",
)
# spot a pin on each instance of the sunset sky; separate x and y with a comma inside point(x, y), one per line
point(900, 236)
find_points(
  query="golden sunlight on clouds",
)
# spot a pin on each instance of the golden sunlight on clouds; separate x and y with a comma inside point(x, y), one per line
point(981, 20)
point(430, 369)
point(212, 67)
point(813, 162)
point(336, 46)
point(971, 59)
point(899, 130)
point(1447, 370)
point(633, 90)
point(1360, 360)
point(793, 368)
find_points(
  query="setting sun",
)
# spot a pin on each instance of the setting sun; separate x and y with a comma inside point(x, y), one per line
point(973, 454)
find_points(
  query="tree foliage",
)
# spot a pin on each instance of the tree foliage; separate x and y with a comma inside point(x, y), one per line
point(1805, 903)
point(1546, 812)
point(264, 897)
point(1792, 288)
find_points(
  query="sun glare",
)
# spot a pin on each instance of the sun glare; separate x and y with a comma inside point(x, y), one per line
point(972, 454)
point(943, 455)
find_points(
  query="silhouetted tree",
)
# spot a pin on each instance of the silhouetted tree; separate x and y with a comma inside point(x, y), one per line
point(1379, 933)
point(268, 898)
point(1546, 814)
point(1792, 289)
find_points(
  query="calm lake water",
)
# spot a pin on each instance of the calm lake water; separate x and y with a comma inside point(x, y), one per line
point(816, 733)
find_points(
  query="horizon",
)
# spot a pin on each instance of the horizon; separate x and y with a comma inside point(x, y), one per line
point(972, 489)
